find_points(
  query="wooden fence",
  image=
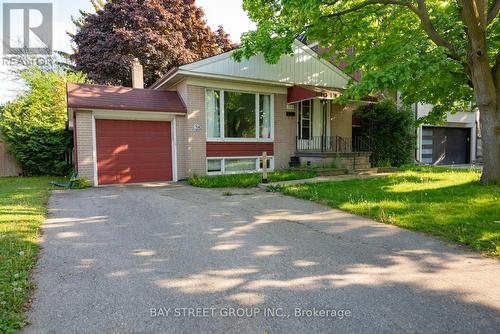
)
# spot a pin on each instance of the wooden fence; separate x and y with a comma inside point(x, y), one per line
point(8, 164)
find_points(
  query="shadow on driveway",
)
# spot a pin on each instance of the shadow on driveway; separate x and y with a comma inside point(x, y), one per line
point(122, 260)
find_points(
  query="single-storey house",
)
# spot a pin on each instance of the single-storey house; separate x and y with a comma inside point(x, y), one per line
point(215, 116)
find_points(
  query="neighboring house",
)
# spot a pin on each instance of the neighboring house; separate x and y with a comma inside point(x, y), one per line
point(8, 164)
point(454, 142)
point(215, 116)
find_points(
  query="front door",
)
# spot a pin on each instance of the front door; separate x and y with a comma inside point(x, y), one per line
point(313, 125)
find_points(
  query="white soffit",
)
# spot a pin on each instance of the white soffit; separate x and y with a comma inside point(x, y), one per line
point(304, 67)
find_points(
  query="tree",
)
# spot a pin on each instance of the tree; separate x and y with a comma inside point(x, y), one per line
point(34, 124)
point(160, 33)
point(445, 53)
point(223, 40)
point(390, 132)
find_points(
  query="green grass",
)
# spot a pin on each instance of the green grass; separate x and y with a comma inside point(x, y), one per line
point(246, 180)
point(22, 210)
point(451, 204)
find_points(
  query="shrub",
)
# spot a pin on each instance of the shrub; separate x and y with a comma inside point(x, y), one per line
point(391, 132)
point(81, 183)
point(35, 122)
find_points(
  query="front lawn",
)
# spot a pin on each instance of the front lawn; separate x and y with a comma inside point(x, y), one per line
point(449, 203)
point(246, 180)
point(22, 210)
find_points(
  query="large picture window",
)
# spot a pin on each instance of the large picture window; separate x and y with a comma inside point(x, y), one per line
point(238, 115)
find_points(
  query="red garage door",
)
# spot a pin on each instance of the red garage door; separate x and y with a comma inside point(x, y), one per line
point(133, 151)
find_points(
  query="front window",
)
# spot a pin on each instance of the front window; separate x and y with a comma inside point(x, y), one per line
point(265, 116)
point(238, 115)
point(212, 106)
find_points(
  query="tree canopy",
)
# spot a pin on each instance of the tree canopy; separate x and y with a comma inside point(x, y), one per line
point(160, 33)
point(445, 53)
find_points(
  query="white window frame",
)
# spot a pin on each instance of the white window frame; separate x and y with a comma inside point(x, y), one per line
point(223, 137)
point(301, 119)
point(257, 165)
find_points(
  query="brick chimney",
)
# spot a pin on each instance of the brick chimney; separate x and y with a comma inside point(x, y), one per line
point(137, 74)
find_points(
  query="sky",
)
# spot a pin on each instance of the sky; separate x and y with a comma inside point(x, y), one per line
point(232, 17)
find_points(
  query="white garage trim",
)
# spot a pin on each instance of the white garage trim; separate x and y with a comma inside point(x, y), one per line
point(136, 116)
point(94, 152)
point(173, 131)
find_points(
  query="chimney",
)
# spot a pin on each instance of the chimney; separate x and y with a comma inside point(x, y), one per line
point(137, 74)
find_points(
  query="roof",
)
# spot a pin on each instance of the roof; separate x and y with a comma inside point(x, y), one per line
point(83, 96)
point(356, 75)
point(303, 67)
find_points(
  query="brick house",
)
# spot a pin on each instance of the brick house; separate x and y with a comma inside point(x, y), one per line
point(215, 116)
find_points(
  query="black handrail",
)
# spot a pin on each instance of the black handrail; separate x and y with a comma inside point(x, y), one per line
point(332, 144)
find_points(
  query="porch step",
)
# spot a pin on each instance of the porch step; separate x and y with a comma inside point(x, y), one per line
point(366, 171)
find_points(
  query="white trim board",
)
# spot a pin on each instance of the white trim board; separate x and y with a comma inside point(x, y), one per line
point(94, 152)
point(135, 115)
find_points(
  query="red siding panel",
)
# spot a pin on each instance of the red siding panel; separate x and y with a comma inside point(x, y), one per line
point(297, 93)
point(133, 151)
point(238, 149)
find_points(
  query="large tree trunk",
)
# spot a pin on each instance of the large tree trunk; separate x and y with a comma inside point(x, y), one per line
point(486, 85)
point(490, 135)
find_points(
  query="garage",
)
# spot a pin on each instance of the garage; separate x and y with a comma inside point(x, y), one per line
point(130, 151)
point(446, 145)
point(124, 135)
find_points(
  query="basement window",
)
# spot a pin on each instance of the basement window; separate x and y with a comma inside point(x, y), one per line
point(214, 165)
point(237, 165)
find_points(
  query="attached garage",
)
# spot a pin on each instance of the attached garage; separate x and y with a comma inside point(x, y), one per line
point(446, 145)
point(133, 151)
point(124, 135)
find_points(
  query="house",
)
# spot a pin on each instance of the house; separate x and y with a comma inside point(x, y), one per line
point(215, 116)
point(454, 142)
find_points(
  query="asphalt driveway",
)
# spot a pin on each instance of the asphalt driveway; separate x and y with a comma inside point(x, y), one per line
point(188, 260)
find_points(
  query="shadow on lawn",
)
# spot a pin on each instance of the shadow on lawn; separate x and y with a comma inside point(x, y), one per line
point(194, 248)
point(464, 212)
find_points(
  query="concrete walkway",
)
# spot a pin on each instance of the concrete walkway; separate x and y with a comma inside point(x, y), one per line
point(187, 260)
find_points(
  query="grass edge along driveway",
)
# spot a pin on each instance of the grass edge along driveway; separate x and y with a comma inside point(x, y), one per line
point(247, 180)
point(23, 208)
point(448, 203)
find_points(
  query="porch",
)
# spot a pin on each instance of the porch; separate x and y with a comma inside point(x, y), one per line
point(325, 135)
point(331, 144)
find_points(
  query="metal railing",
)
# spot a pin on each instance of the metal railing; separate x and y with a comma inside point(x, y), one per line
point(332, 144)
